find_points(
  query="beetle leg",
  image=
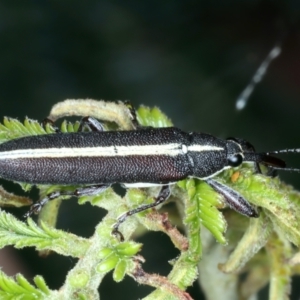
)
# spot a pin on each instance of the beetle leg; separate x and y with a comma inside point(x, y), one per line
point(163, 195)
point(86, 122)
point(84, 191)
point(91, 124)
point(50, 122)
point(133, 116)
point(234, 200)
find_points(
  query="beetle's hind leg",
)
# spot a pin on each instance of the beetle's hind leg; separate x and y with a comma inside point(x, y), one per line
point(163, 195)
point(84, 191)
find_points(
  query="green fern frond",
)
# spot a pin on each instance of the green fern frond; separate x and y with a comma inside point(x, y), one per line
point(12, 129)
point(153, 117)
point(69, 127)
point(19, 234)
point(279, 201)
point(202, 207)
point(20, 288)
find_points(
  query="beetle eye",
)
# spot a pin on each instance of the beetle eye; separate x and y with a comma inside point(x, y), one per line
point(235, 160)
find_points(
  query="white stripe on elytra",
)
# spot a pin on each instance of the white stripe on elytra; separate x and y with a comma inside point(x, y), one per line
point(201, 148)
point(145, 184)
point(110, 151)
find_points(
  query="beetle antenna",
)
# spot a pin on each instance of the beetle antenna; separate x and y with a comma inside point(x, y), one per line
point(268, 158)
point(257, 77)
point(272, 162)
point(296, 150)
point(285, 169)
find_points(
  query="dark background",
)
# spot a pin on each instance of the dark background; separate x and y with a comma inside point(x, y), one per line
point(190, 58)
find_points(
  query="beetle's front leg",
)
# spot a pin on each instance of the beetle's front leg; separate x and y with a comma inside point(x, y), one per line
point(163, 195)
point(84, 191)
point(234, 200)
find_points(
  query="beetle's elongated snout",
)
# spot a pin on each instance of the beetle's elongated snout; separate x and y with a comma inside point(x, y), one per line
point(265, 159)
point(272, 161)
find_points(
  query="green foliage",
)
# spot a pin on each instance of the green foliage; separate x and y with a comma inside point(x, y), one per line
point(202, 208)
point(202, 211)
point(117, 258)
point(20, 234)
point(20, 288)
point(12, 129)
point(152, 117)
